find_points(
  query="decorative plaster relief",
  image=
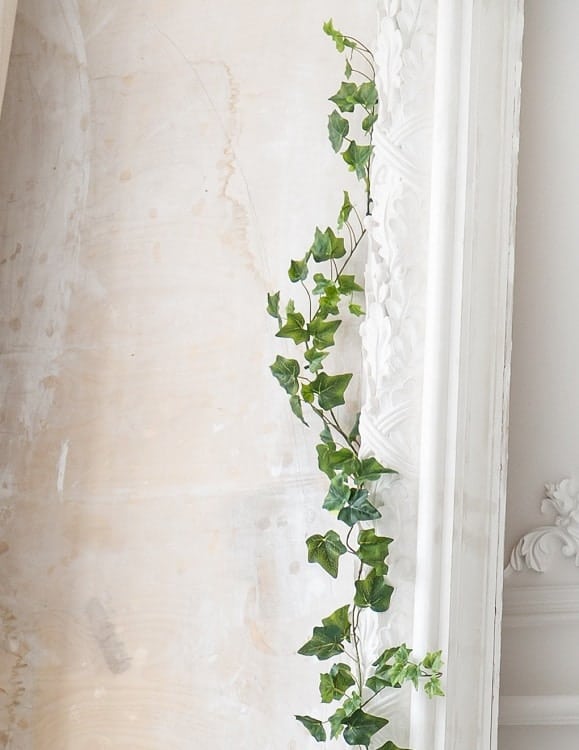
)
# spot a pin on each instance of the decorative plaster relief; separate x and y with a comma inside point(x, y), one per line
point(535, 550)
point(393, 333)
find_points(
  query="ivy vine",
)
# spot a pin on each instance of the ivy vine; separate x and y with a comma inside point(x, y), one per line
point(350, 687)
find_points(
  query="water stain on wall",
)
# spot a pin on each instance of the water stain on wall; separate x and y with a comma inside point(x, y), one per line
point(106, 637)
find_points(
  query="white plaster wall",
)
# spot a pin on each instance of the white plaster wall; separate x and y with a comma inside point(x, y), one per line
point(161, 162)
point(544, 415)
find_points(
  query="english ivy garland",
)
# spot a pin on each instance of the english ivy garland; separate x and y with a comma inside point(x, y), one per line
point(347, 685)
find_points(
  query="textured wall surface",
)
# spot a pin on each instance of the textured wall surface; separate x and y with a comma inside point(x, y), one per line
point(161, 161)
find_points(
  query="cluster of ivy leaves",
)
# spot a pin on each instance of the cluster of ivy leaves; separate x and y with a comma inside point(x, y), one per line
point(328, 291)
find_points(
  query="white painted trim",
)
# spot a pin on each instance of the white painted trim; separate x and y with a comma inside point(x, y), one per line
point(457, 352)
point(540, 606)
point(539, 710)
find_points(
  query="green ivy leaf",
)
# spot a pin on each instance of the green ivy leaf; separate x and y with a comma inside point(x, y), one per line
point(329, 304)
point(286, 372)
point(347, 284)
point(355, 309)
point(339, 39)
point(358, 509)
point(376, 683)
point(371, 470)
point(315, 359)
point(326, 436)
point(331, 297)
point(412, 673)
point(327, 246)
point(290, 307)
point(348, 70)
point(345, 210)
point(389, 746)
point(394, 667)
point(330, 389)
point(336, 725)
point(326, 688)
point(368, 122)
point(294, 329)
point(296, 407)
point(314, 727)
point(273, 305)
point(398, 672)
point(322, 283)
point(326, 551)
point(338, 494)
point(307, 393)
point(357, 158)
point(322, 333)
point(433, 687)
point(373, 592)
point(355, 431)
point(333, 685)
point(346, 97)
point(325, 456)
point(324, 643)
point(361, 727)
point(385, 660)
point(298, 270)
point(342, 678)
point(433, 661)
point(367, 94)
point(352, 703)
point(340, 619)
point(338, 129)
point(373, 550)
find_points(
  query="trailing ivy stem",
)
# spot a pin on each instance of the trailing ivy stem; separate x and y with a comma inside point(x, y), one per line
point(336, 426)
point(309, 298)
point(352, 251)
point(351, 234)
point(361, 73)
point(348, 545)
point(355, 622)
point(361, 45)
point(369, 60)
point(359, 219)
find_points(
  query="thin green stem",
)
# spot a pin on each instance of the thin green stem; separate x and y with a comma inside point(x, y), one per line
point(364, 75)
point(309, 299)
point(355, 641)
point(338, 428)
point(348, 545)
point(352, 251)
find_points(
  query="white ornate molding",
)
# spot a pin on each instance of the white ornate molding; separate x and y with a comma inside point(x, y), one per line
point(536, 549)
point(539, 710)
point(436, 342)
point(395, 280)
point(540, 606)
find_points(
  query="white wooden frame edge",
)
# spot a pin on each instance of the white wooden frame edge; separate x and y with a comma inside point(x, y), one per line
point(460, 474)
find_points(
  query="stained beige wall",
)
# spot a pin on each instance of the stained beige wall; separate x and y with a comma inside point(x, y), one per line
point(161, 161)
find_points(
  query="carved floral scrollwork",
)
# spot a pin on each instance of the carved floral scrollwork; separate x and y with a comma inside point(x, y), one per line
point(395, 283)
point(535, 549)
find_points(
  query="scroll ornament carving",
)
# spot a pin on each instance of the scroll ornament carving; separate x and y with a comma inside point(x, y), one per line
point(535, 550)
point(395, 282)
